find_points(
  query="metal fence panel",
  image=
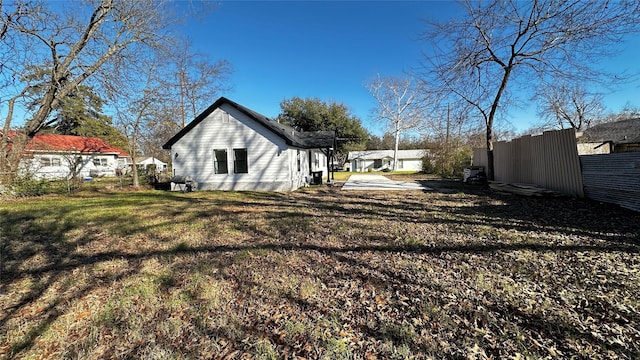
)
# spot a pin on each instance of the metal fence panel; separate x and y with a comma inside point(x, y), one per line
point(549, 160)
point(612, 178)
point(479, 157)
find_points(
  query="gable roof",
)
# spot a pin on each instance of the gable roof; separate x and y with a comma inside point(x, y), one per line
point(151, 160)
point(381, 154)
point(619, 132)
point(70, 143)
point(303, 139)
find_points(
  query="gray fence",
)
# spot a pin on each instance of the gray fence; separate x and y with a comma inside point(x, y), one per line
point(612, 178)
point(551, 161)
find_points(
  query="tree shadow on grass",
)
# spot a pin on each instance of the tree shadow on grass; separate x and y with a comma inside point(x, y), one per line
point(28, 234)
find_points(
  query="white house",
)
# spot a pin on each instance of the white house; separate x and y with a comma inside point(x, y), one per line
point(160, 165)
point(230, 147)
point(52, 156)
point(378, 160)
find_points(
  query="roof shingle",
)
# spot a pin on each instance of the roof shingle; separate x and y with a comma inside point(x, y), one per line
point(619, 132)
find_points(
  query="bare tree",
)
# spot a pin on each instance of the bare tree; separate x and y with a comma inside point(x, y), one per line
point(198, 79)
point(569, 107)
point(398, 106)
point(137, 103)
point(628, 111)
point(497, 43)
point(84, 40)
point(149, 107)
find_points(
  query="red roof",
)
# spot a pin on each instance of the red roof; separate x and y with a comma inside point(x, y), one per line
point(53, 142)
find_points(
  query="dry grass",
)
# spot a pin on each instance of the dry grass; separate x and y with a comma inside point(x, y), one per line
point(317, 273)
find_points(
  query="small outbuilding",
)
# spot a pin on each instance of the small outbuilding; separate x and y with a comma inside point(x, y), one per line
point(161, 166)
point(231, 147)
point(382, 160)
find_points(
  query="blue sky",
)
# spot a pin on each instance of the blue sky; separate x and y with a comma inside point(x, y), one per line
point(326, 50)
point(330, 49)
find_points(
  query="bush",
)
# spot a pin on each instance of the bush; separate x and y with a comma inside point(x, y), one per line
point(28, 185)
point(448, 164)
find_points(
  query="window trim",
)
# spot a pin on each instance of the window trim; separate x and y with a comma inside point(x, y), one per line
point(237, 163)
point(101, 161)
point(216, 162)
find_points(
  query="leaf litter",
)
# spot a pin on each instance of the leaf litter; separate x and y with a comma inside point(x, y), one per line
point(320, 274)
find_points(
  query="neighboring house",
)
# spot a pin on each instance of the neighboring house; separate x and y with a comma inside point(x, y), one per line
point(160, 165)
point(378, 160)
point(51, 156)
point(230, 147)
point(614, 137)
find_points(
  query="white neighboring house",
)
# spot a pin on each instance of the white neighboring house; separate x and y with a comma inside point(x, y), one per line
point(230, 147)
point(379, 160)
point(51, 156)
point(160, 165)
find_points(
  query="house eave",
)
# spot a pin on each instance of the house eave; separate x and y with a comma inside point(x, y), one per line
point(279, 131)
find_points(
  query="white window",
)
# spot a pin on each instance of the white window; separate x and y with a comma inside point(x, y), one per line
point(50, 161)
point(99, 161)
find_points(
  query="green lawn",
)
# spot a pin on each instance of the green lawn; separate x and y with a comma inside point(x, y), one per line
point(318, 273)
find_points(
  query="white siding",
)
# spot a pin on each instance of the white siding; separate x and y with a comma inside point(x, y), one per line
point(58, 165)
point(319, 162)
point(364, 165)
point(269, 159)
point(408, 160)
point(411, 164)
point(160, 166)
point(298, 177)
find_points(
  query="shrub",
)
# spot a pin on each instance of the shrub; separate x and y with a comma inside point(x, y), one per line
point(28, 185)
point(447, 163)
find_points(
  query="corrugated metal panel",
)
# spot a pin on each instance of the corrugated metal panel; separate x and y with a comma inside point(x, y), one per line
point(549, 160)
point(501, 161)
point(564, 174)
point(479, 157)
point(612, 178)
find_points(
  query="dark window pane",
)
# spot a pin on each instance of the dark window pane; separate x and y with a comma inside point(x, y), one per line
point(220, 161)
point(240, 165)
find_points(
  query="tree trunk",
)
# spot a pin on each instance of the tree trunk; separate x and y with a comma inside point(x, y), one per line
point(490, 165)
point(134, 168)
point(395, 149)
point(492, 114)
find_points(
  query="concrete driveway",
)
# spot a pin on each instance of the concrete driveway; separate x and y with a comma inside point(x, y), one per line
point(379, 182)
